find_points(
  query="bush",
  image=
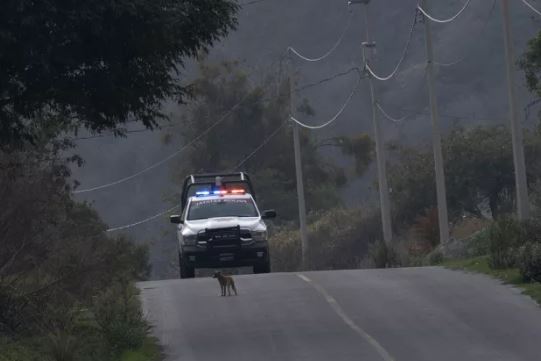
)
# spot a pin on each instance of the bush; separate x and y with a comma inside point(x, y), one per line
point(338, 238)
point(120, 319)
point(529, 262)
point(434, 258)
point(382, 255)
point(505, 238)
point(17, 351)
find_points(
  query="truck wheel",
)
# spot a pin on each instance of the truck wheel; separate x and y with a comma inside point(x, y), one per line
point(186, 271)
point(262, 267)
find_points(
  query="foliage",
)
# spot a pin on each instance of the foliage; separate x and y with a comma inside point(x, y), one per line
point(149, 351)
point(338, 238)
point(254, 112)
point(118, 313)
point(98, 63)
point(360, 147)
point(383, 255)
point(505, 237)
point(529, 261)
point(55, 258)
point(509, 275)
point(479, 174)
point(531, 64)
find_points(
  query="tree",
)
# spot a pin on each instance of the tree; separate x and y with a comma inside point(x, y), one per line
point(478, 169)
point(98, 63)
point(531, 64)
point(260, 113)
point(54, 252)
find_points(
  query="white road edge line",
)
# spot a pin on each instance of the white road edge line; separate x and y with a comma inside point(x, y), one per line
point(385, 355)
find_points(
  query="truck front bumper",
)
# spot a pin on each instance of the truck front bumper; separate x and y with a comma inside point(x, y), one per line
point(247, 255)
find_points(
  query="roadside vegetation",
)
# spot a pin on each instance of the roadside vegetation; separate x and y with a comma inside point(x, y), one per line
point(67, 287)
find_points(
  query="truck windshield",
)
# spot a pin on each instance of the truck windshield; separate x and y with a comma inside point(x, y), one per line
point(223, 207)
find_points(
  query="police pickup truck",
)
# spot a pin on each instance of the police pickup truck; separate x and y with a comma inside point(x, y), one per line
point(220, 224)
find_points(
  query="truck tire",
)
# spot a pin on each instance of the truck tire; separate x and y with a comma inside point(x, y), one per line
point(185, 270)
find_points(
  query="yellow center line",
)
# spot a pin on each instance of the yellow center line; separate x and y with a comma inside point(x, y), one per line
point(385, 355)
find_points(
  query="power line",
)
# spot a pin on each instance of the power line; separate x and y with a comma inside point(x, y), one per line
point(444, 21)
point(531, 7)
point(402, 58)
point(169, 157)
point(173, 155)
point(140, 130)
point(328, 53)
point(340, 111)
point(127, 226)
point(325, 80)
point(479, 34)
point(264, 143)
point(156, 216)
point(386, 115)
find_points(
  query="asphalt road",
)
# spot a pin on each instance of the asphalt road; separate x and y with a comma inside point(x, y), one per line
point(411, 314)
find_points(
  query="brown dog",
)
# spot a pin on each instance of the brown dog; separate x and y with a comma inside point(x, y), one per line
point(226, 282)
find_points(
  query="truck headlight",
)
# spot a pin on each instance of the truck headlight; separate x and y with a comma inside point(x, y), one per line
point(259, 236)
point(189, 239)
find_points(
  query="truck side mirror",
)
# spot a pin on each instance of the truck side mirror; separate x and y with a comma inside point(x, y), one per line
point(271, 213)
point(176, 219)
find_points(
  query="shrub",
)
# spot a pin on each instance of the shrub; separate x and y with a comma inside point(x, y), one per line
point(338, 238)
point(382, 255)
point(529, 262)
point(506, 236)
point(11, 350)
point(434, 258)
point(119, 316)
point(479, 243)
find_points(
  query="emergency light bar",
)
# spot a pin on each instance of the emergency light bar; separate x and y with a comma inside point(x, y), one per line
point(220, 192)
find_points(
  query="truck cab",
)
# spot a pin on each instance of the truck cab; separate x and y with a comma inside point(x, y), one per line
point(221, 225)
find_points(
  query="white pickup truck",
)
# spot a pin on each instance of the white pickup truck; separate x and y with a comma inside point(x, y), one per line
point(221, 225)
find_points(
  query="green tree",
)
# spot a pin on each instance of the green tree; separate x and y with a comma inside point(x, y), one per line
point(259, 110)
point(98, 63)
point(531, 64)
point(478, 169)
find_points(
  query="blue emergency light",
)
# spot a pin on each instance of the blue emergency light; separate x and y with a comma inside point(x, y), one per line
point(220, 192)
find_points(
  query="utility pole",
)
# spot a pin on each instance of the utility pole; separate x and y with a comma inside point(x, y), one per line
point(441, 193)
point(298, 172)
point(380, 144)
point(523, 206)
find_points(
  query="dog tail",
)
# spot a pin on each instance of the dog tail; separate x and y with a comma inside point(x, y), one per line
point(234, 288)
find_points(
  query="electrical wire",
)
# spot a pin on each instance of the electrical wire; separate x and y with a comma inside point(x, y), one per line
point(169, 157)
point(146, 220)
point(264, 143)
point(240, 164)
point(386, 115)
point(531, 7)
point(479, 34)
point(340, 111)
point(325, 80)
point(443, 21)
point(328, 53)
point(140, 130)
point(402, 58)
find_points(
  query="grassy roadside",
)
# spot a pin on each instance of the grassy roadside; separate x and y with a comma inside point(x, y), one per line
point(149, 351)
point(509, 276)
